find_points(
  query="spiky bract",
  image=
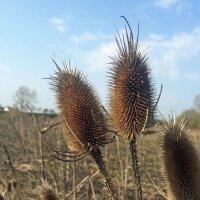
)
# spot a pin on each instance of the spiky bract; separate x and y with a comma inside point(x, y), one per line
point(2, 197)
point(182, 164)
point(46, 192)
point(131, 89)
point(80, 108)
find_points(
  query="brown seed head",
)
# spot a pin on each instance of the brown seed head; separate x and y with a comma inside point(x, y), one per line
point(2, 196)
point(80, 108)
point(131, 90)
point(46, 192)
point(182, 163)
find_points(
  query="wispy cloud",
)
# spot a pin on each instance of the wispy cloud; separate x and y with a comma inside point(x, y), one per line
point(97, 59)
point(180, 5)
point(89, 37)
point(59, 24)
point(165, 3)
point(169, 55)
point(85, 37)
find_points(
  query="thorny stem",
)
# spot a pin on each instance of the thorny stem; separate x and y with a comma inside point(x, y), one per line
point(136, 172)
point(96, 154)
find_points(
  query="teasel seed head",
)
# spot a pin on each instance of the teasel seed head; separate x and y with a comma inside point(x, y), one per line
point(80, 108)
point(2, 196)
point(131, 87)
point(181, 161)
point(47, 193)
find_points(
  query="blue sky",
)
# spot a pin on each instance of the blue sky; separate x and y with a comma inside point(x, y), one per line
point(31, 32)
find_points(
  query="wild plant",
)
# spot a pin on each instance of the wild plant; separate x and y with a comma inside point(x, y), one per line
point(84, 120)
point(181, 161)
point(132, 102)
point(47, 193)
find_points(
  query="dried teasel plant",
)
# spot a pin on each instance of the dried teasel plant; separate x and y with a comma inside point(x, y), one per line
point(47, 193)
point(181, 161)
point(84, 120)
point(132, 103)
point(2, 196)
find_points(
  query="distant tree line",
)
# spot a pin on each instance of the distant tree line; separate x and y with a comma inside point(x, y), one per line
point(193, 114)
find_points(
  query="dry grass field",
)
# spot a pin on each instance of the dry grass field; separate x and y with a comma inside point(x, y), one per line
point(21, 163)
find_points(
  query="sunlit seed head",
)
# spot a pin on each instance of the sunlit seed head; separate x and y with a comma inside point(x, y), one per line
point(131, 88)
point(80, 108)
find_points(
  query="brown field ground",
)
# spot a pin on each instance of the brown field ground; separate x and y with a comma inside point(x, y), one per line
point(21, 163)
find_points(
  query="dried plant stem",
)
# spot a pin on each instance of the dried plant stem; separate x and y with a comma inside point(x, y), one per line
point(96, 154)
point(81, 184)
point(92, 187)
point(74, 178)
point(22, 131)
point(40, 142)
point(120, 162)
point(42, 156)
point(10, 162)
point(136, 172)
point(126, 172)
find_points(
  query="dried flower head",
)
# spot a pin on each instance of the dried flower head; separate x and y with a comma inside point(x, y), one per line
point(83, 116)
point(46, 192)
point(80, 107)
point(131, 88)
point(2, 196)
point(181, 161)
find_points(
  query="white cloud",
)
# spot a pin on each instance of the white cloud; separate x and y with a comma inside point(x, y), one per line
point(165, 3)
point(88, 37)
point(98, 59)
point(168, 55)
point(85, 37)
point(180, 5)
point(59, 24)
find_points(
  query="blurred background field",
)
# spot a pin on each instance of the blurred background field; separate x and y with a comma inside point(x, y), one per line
point(21, 162)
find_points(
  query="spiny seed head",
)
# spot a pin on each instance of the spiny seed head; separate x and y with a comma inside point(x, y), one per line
point(80, 108)
point(181, 161)
point(46, 192)
point(2, 197)
point(131, 89)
